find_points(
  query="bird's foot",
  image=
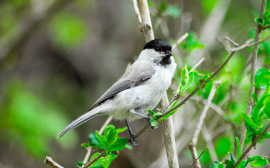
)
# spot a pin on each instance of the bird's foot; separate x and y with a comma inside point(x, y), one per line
point(133, 140)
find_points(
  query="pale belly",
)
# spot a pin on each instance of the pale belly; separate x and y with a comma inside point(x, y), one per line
point(141, 98)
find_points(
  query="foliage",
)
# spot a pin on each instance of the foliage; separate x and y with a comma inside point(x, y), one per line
point(110, 142)
point(22, 113)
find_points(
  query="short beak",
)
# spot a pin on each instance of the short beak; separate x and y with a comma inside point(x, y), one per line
point(168, 53)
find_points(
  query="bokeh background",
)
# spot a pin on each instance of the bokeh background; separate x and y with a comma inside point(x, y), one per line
point(57, 57)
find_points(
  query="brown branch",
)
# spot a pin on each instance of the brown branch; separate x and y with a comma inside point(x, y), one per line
point(48, 160)
point(254, 142)
point(194, 140)
point(91, 162)
point(198, 157)
point(253, 63)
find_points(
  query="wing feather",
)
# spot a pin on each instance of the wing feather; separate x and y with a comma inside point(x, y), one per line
point(132, 78)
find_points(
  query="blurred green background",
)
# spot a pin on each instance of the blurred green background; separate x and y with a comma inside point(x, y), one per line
point(57, 57)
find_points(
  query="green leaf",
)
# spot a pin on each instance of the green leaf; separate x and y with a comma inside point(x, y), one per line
point(110, 135)
point(104, 162)
point(151, 112)
point(257, 161)
point(102, 141)
point(84, 145)
point(238, 148)
point(154, 122)
point(94, 141)
point(216, 164)
point(129, 147)
point(232, 159)
point(94, 156)
point(191, 43)
point(120, 144)
point(119, 130)
point(259, 21)
point(80, 163)
point(229, 164)
point(242, 164)
point(173, 11)
point(256, 111)
point(250, 122)
point(262, 77)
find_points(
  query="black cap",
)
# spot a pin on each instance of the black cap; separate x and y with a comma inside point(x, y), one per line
point(158, 45)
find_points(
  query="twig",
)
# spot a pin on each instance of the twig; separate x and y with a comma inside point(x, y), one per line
point(253, 63)
point(251, 145)
point(182, 38)
point(265, 27)
point(198, 157)
point(105, 124)
point(196, 65)
point(91, 162)
point(194, 140)
point(137, 12)
point(208, 138)
point(48, 160)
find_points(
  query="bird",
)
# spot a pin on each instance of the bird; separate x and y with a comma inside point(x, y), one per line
point(139, 89)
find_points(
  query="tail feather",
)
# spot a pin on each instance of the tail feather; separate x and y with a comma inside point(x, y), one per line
point(80, 120)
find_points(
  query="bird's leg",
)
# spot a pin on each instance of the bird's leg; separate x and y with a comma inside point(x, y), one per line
point(143, 116)
point(131, 133)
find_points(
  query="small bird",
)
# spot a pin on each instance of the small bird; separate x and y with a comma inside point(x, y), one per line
point(140, 88)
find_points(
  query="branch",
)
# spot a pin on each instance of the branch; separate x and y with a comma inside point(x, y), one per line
point(48, 160)
point(251, 146)
point(253, 63)
point(146, 21)
point(91, 162)
point(193, 143)
point(182, 38)
point(198, 158)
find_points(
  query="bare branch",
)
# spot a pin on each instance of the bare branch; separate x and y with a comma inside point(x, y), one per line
point(253, 63)
point(193, 143)
point(182, 38)
point(137, 12)
point(48, 160)
point(198, 157)
point(91, 162)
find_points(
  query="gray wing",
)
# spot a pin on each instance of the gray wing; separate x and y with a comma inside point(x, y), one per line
point(132, 78)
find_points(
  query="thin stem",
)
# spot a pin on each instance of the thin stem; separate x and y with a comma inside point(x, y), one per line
point(48, 160)
point(91, 162)
point(253, 63)
point(194, 140)
point(198, 157)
